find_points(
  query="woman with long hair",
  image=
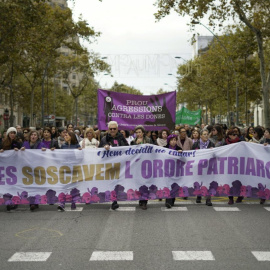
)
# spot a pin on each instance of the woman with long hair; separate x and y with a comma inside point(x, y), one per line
point(70, 141)
point(172, 144)
point(203, 143)
point(10, 143)
point(195, 135)
point(249, 134)
point(257, 135)
point(232, 138)
point(141, 139)
point(217, 136)
point(162, 138)
point(33, 142)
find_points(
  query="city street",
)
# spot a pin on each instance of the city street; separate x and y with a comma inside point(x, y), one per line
point(188, 236)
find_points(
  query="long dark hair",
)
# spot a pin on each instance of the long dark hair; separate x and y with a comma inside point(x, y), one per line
point(73, 140)
point(219, 130)
point(7, 143)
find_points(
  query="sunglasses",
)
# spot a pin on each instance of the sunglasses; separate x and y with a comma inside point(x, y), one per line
point(25, 132)
point(234, 134)
point(113, 128)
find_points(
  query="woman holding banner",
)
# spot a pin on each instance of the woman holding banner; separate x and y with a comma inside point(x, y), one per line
point(10, 143)
point(162, 138)
point(217, 136)
point(141, 139)
point(89, 140)
point(233, 137)
point(172, 144)
point(48, 142)
point(203, 143)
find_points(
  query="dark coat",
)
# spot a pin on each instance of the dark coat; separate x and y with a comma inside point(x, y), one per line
point(196, 145)
point(118, 140)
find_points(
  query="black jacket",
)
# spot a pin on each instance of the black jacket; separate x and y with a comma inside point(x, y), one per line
point(118, 140)
point(196, 145)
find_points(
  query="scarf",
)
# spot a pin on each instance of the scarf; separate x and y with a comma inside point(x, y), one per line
point(161, 142)
point(204, 145)
point(228, 141)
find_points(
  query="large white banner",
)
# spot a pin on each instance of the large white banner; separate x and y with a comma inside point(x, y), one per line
point(133, 173)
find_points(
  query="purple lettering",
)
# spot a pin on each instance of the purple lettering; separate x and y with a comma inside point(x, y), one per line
point(212, 168)
point(232, 165)
point(242, 165)
point(180, 168)
point(146, 169)
point(221, 164)
point(260, 168)
point(267, 167)
point(157, 168)
point(169, 167)
point(13, 178)
point(250, 169)
point(127, 171)
point(189, 166)
point(203, 163)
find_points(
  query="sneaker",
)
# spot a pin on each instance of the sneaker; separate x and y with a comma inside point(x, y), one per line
point(115, 205)
point(262, 201)
point(144, 206)
point(61, 208)
point(239, 200)
point(231, 202)
point(32, 207)
point(73, 206)
point(168, 205)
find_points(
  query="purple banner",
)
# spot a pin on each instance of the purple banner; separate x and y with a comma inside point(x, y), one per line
point(154, 112)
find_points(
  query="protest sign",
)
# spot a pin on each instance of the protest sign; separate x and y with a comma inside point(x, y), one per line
point(185, 116)
point(154, 112)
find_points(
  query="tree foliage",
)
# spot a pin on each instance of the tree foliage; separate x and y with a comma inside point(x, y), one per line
point(254, 14)
point(31, 35)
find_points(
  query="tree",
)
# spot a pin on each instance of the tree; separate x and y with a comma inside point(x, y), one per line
point(31, 32)
point(122, 88)
point(211, 80)
point(252, 13)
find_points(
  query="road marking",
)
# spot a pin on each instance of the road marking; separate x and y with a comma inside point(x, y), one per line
point(30, 257)
point(174, 209)
point(261, 255)
point(78, 209)
point(267, 208)
point(112, 256)
point(124, 209)
point(226, 209)
point(193, 256)
point(49, 233)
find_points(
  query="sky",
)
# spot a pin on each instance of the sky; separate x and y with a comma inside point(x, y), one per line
point(140, 50)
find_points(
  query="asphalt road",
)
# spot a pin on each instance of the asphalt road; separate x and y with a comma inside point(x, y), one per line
point(188, 236)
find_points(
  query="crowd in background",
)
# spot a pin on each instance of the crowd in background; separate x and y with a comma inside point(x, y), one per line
point(182, 138)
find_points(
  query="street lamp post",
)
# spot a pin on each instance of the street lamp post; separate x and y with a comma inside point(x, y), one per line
point(233, 66)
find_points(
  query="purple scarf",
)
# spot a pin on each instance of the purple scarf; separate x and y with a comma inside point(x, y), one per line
point(204, 145)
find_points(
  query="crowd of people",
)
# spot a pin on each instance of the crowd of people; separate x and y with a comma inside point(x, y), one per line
point(182, 138)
